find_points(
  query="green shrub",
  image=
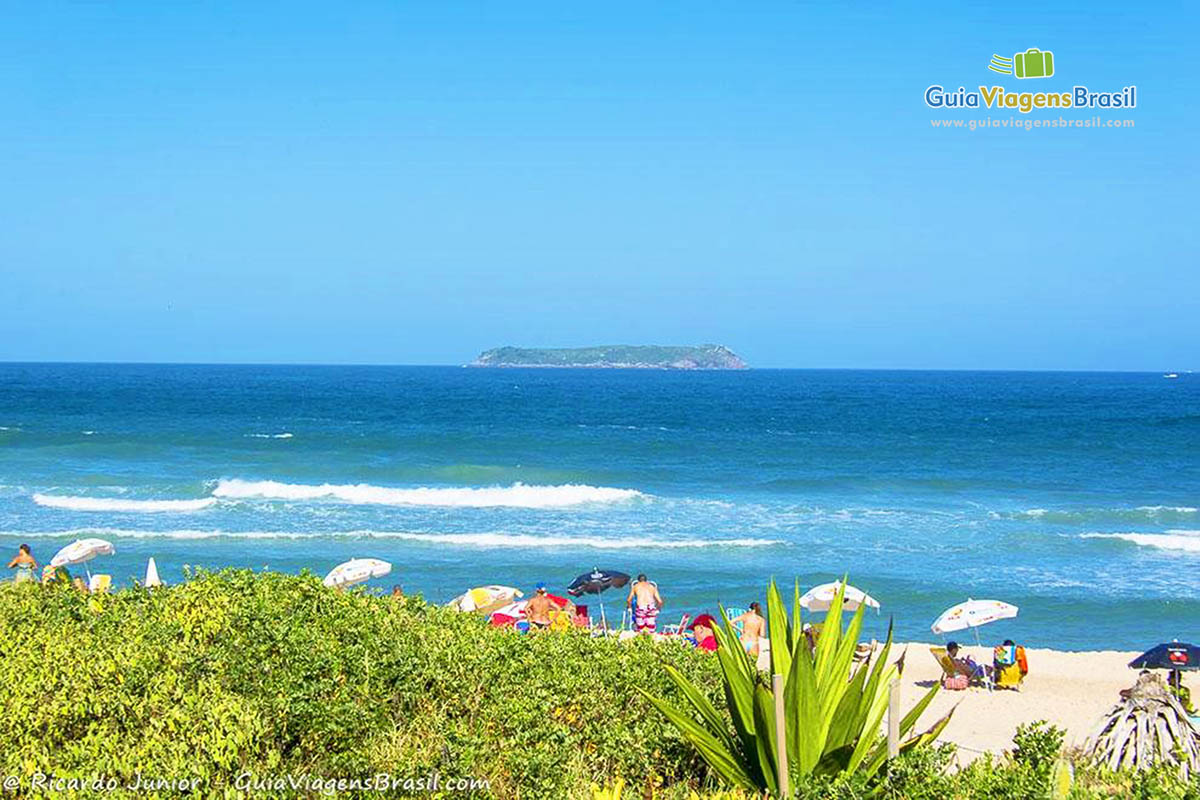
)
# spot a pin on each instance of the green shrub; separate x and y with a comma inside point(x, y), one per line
point(238, 672)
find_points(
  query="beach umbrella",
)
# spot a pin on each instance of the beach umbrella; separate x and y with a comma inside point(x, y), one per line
point(820, 598)
point(1172, 655)
point(152, 578)
point(356, 571)
point(484, 598)
point(82, 551)
point(972, 614)
point(596, 582)
point(1175, 656)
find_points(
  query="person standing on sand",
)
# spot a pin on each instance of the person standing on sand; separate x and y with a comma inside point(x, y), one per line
point(25, 564)
point(538, 609)
point(753, 626)
point(649, 603)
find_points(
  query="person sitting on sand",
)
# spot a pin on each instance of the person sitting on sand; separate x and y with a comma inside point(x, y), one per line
point(649, 603)
point(539, 609)
point(752, 627)
point(965, 665)
point(25, 564)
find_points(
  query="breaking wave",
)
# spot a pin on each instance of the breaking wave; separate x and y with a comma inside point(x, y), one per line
point(1084, 516)
point(483, 540)
point(516, 496)
point(1182, 540)
point(70, 503)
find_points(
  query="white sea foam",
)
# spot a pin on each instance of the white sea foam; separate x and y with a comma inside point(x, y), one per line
point(71, 503)
point(1176, 509)
point(1158, 514)
point(284, 435)
point(1187, 541)
point(518, 495)
point(492, 540)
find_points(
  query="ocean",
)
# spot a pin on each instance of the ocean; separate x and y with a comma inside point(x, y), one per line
point(1072, 495)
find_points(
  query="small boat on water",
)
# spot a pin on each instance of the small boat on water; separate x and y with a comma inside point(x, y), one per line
point(1171, 375)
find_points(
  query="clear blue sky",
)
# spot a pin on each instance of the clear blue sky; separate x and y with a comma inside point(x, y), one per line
point(413, 183)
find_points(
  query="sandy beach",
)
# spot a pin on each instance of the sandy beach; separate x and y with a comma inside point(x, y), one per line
point(1069, 689)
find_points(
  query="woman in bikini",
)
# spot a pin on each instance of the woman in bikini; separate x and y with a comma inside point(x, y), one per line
point(25, 564)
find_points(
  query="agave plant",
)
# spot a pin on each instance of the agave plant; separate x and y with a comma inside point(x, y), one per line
point(1145, 729)
point(832, 708)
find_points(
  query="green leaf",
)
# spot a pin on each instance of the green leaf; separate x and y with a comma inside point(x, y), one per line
point(777, 626)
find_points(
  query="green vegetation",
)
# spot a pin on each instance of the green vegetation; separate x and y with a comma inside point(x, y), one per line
point(832, 707)
point(270, 674)
point(708, 356)
point(274, 675)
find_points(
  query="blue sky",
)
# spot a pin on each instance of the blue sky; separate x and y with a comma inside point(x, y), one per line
point(413, 183)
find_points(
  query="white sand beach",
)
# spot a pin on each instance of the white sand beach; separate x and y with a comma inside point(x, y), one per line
point(1070, 690)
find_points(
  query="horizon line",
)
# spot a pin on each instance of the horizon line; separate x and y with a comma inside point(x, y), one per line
point(379, 364)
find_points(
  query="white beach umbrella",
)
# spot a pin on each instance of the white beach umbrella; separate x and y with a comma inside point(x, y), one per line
point(152, 578)
point(356, 571)
point(482, 597)
point(972, 614)
point(820, 598)
point(80, 551)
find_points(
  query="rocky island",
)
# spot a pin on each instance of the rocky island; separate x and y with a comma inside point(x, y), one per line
point(705, 356)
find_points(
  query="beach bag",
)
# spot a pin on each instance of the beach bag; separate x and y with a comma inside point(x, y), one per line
point(955, 683)
point(1021, 661)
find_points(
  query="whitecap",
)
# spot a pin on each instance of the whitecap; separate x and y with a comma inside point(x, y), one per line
point(493, 540)
point(518, 495)
point(71, 503)
point(1186, 541)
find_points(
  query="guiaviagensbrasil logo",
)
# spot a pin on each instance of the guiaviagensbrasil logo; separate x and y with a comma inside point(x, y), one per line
point(1029, 63)
point(1033, 63)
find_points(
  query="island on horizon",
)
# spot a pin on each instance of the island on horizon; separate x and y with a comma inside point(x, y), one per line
point(705, 356)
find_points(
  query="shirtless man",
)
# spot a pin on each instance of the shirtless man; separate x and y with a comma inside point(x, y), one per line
point(539, 608)
point(752, 628)
point(649, 603)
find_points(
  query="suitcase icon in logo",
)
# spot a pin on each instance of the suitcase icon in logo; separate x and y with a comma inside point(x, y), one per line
point(1033, 63)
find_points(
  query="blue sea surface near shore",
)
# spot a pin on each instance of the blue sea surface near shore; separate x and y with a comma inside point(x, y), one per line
point(1075, 496)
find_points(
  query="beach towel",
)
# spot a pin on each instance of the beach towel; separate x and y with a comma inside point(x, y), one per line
point(956, 683)
point(645, 618)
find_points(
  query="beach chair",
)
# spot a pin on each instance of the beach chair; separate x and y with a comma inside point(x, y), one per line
point(952, 677)
point(863, 651)
point(99, 584)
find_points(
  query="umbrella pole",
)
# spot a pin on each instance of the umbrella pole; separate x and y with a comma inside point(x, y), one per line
point(603, 621)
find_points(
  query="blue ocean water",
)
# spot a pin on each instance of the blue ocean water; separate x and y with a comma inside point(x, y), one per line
point(1074, 496)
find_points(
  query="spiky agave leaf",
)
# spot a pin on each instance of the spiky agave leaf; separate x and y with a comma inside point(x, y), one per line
point(1146, 729)
point(833, 708)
